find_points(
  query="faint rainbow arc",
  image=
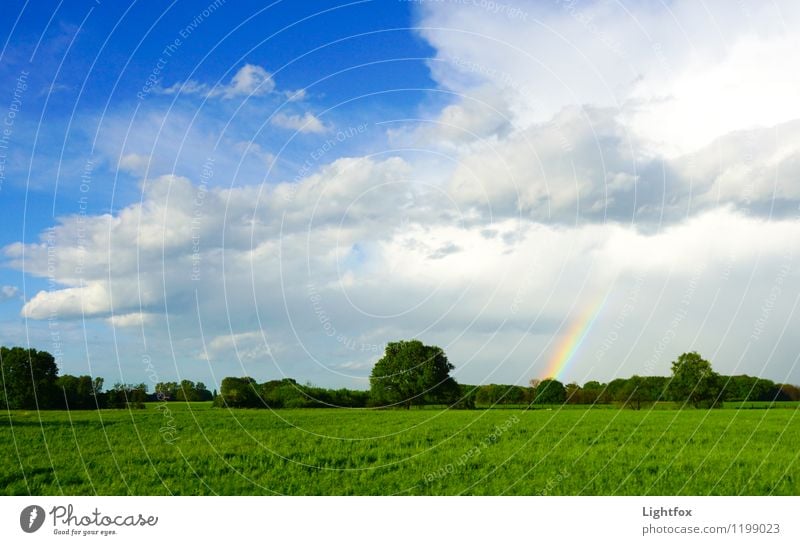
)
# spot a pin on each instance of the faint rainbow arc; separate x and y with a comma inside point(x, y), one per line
point(572, 341)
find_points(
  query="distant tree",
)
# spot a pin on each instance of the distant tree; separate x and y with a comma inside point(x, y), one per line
point(137, 395)
point(747, 388)
point(594, 392)
point(488, 394)
point(115, 397)
point(642, 390)
point(658, 387)
point(79, 392)
point(68, 385)
point(343, 397)
point(166, 391)
point(467, 396)
point(733, 388)
point(186, 391)
point(574, 393)
point(97, 386)
point(528, 394)
point(513, 395)
point(500, 394)
point(695, 382)
point(412, 373)
point(788, 392)
point(130, 396)
point(202, 393)
point(239, 392)
point(550, 391)
point(614, 389)
point(28, 379)
point(764, 390)
point(637, 390)
point(287, 393)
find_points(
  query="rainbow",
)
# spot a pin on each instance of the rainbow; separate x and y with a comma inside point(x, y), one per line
point(571, 342)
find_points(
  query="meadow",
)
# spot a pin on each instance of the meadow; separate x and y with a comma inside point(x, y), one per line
point(194, 449)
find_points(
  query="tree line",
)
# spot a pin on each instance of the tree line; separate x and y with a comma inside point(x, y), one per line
point(246, 392)
point(409, 374)
point(634, 392)
point(30, 380)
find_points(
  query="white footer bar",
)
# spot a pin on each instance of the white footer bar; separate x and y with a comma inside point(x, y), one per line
point(400, 520)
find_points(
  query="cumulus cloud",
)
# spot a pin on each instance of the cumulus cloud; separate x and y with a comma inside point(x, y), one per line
point(179, 224)
point(481, 116)
point(306, 123)
point(755, 168)
point(750, 86)
point(678, 85)
point(607, 112)
point(133, 319)
point(92, 301)
point(331, 268)
point(249, 81)
point(134, 163)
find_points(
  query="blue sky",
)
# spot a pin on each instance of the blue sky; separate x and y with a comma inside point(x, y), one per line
point(75, 57)
point(88, 61)
point(280, 192)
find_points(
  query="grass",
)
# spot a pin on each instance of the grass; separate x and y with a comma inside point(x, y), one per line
point(199, 450)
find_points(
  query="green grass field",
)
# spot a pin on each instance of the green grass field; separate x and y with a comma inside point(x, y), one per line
point(200, 450)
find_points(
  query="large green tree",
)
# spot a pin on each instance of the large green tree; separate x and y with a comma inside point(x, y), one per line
point(79, 392)
point(695, 382)
point(412, 373)
point(28, 379)
point(550, 391)
point(239, 392)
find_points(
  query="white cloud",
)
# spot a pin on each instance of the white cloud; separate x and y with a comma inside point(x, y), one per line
point(247, 347)
point(332, 268)
point(133, 319)
point(481, 116)
point(253, 149)
point(189, 87)
point(296, 96)
point(249, 81)
point(8, 292)
point(607, 111)
point(135, 163)
point(754, 86)
point(306, 123)
point(750, 167)
point(681, 74)
point(178, 225)
point(161, 141)
point(92, 301)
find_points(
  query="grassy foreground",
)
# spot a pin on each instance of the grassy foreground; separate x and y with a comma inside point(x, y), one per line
point(195, 449)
